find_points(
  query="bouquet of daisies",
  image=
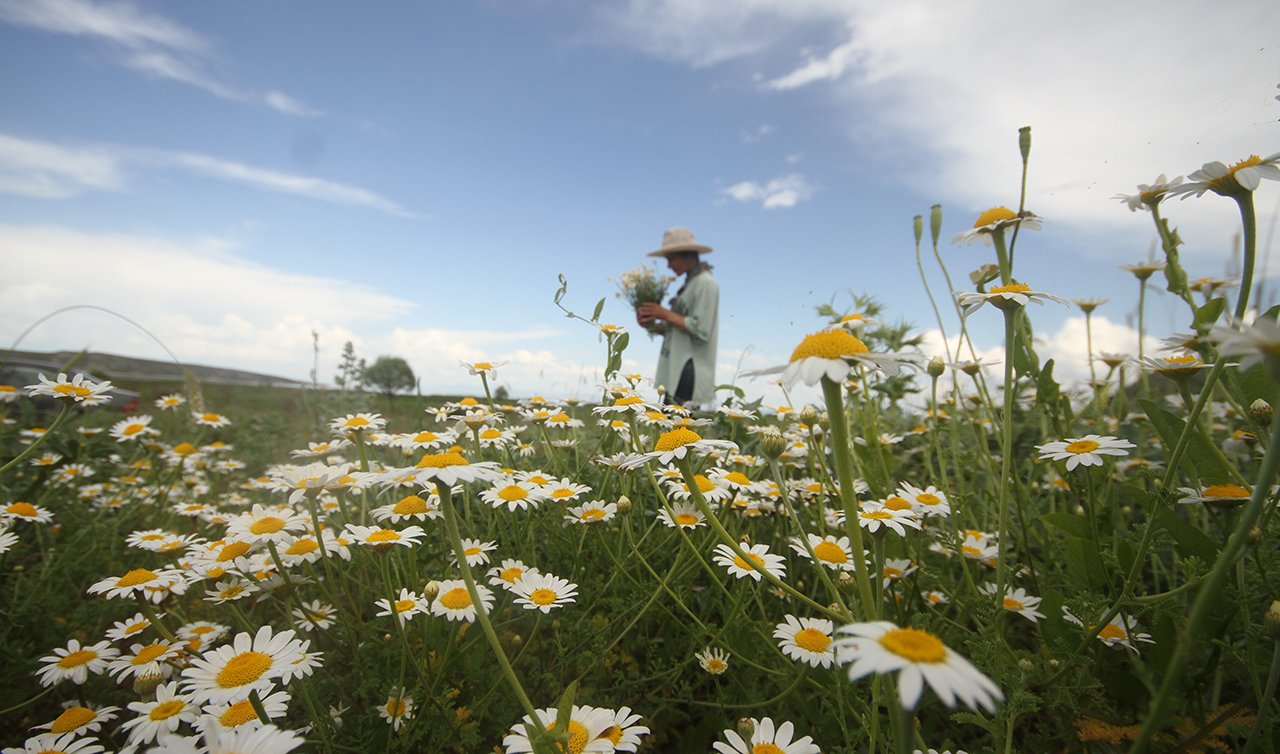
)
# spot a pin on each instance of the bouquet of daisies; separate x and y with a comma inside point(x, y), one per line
point(641, 286)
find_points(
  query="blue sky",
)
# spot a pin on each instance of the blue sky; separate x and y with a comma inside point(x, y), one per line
point(414, 176)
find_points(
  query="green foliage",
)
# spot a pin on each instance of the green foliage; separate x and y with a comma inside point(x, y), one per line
point(389, 375)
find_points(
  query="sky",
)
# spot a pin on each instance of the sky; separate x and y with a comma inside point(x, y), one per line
point(230, 179)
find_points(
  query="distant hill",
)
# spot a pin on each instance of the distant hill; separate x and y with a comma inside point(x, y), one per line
point(127, 369)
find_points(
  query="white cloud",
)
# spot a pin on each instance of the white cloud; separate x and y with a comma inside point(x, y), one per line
point(1114, 95)
point(286, 183)
point(782, 192)
point(756, 134)
point(51, 171)
point(212, 307)
point(151, 45)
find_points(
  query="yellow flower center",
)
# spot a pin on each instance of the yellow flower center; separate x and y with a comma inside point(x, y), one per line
point(491, 434)
point(440, 460)
point(481, 366)
point(384, 535)
point(1230, 177)
point(914, 645)
point(686, 519)
point(72, 718)
point(149, 653)
point(737, 477)
point(559, 418)
point(926, 498)
point(511, 575)
point(232, 551)
point(704, 484)
point(166, 710)
point(471, 552)
point(895, 503)
point(184, 448)
point(1012, 288)
point(1082, 446)
point(739, 562)
point(613, 733)
point(513, 492)
point(879, 515)
point(812, 639)
point(468, 401)
point(302, 547)
point(77, 658)
point(22, 509)
point(136, 576)
point(542, 597)
point(995, 215)
point(766, 748)
point(628, 400)
point(562, 492)
point(410, 505)
point(238, 714)
point(243, 669)
point(1112, 631)
point(592, 514)
point(676, 438)
point(356, 421)
point(404, 605)
point(456, 599)
point(831, 344)
point(267, 525)
point(715, 665)
point(396, 707)
point(1012, 604)
point(830, 552)
point(1232, 491)
point(211, 417)
point(577, 736)
point(78, 391)
point(133, 429)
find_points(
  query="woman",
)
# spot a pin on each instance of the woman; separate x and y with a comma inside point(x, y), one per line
point(687, 364)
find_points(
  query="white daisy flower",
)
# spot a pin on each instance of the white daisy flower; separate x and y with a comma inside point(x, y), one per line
point(407, 605)
point(833, 552)
point(247, 664)
point(766, 739)
point(77, 388)
point(586, 729)
point(713, 660)
point(1016, 600)
point(761, 560)
point(454, 601)
point(543, 591)
point(75, 662)
point(806, 640)
point(1084, 451)
point(918, 657)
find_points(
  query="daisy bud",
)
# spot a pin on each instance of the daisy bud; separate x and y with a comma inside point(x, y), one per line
point(809, 416)
point(918, 227)
point(936, 367)
point(1272, 619)
point(935, 222)
point(1054, 663)
point(746, 726)
point(773, 444)
point(143, 685)
point(430, 590)
point(1024, 142)
point(846, 580)
point(1026, 665)
point(386, 637)
point(1253, 537)
point(1261, 412)
point(516, 640)
point(824, 421)
point(624, 504)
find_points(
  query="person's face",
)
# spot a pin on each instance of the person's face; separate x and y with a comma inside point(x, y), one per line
point(680, 263)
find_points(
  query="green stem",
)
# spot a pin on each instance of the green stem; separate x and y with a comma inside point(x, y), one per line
point(1249, 224)
point(1006, 454)
point(1262, 724)
point(840, 453)
point(66, 409)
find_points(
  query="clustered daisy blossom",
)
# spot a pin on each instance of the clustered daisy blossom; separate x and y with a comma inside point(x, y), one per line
point(1084, 451)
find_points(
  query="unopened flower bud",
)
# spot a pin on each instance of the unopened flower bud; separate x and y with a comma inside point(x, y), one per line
point(773, 444)
point(430, 590)
point(1261, 412)
point(516, 640)
point(808, 416)
point(917, 223)
point(846, 581)
point(1271, 621)
point(746, 728)
point(824, 421)
point(624, 504)
point(143, 685)
point(936, 366)
point(1025, 664)
point(1054, 663)
point(1253, 537)
point(1024, 142)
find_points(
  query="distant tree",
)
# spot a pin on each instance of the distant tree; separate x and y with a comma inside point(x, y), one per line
point(502, 394)
point(350, 369)
point(389, 375)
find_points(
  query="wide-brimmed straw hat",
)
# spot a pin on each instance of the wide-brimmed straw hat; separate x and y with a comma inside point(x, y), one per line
point(676, 240)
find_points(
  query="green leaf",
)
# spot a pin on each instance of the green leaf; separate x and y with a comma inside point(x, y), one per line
point(1047, 391)
point(734, 388)
point(1201, 460)
point(595, 315)
point(1084, 565)
point(1187, 539)
point(621, 342)
point(1071, 524)
point(1208, 314)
